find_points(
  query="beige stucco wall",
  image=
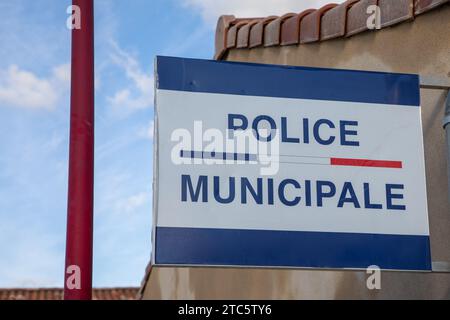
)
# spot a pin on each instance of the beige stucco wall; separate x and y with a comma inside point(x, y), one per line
point(422, 47)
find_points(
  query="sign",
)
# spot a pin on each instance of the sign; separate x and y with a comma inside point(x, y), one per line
point(277, 166)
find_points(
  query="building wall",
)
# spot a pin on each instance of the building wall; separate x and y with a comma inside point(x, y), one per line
point(421, 46)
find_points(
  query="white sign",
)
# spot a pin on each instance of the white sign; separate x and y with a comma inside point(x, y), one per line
point(273, 166)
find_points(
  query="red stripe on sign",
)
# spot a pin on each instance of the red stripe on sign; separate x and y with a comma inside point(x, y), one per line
point(366, 163)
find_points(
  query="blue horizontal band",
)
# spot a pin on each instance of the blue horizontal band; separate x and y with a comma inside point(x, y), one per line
point(230, 247)
point(224, 77)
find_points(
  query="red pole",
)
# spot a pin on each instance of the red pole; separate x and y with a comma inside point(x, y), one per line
point(78, 269)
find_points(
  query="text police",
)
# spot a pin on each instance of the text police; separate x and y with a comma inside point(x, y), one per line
point(294, 191)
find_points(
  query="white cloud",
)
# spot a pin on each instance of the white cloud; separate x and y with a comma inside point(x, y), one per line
point(147, 132)
point(62, 73)
point(212, 9)
point(133, 202)
point(21, 88)
point(24, 89)
point(122, 215)
point(189, 46)
point(139, 93)
point(32, 257)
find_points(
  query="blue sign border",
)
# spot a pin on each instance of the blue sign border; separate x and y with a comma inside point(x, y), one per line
point(250, 79)
point(297, 249)
point(269, 248)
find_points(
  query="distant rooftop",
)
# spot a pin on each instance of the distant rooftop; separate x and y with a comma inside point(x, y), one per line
point(57, 294)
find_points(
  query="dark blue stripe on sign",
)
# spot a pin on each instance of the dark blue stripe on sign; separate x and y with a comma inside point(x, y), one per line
point(218, 155)
point(229, 247)
point(224, 77)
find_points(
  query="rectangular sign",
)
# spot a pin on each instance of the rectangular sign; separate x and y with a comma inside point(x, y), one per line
point(277, 166)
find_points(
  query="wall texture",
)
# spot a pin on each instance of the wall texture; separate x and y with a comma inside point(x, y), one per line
point(421, 46)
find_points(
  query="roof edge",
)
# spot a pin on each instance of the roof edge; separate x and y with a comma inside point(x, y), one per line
point(314, 25)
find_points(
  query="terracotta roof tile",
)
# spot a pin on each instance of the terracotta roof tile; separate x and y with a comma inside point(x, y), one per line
point(422, 6)
point(330, 21)
point(334, 21)
point(257, 32)
point(244, 34)
point(357, 17)
point(310, 25)
point(290, 28)
point(272, 33)
point(232, 34)
point(57, 294)
point(393, 12)
point(221, 35)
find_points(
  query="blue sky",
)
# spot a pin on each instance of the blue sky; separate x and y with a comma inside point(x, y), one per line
point(34, 115)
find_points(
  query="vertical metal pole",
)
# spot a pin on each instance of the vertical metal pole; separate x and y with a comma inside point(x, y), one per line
point(78, 269)
point(446, 124)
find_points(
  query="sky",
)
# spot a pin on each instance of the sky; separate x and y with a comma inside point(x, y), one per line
point(34, 126)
